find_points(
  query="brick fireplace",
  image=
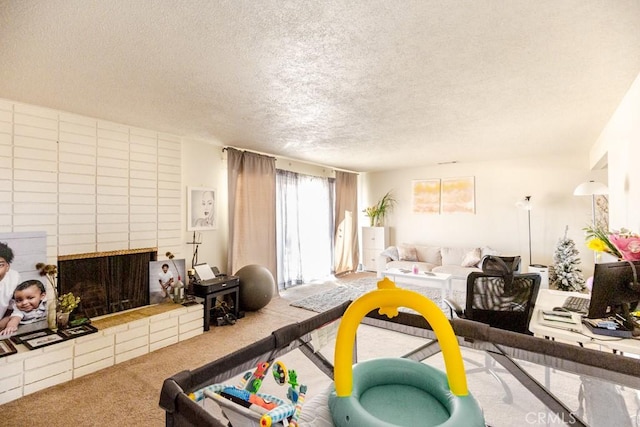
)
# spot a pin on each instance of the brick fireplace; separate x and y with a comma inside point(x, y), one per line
point(107, 282)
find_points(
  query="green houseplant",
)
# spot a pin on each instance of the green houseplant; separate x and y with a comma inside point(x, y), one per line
point(379, 211)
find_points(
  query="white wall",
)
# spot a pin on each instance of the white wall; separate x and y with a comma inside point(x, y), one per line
point(621, 139)
point(498, 223)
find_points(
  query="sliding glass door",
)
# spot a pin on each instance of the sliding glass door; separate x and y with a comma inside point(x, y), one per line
point(305, 224)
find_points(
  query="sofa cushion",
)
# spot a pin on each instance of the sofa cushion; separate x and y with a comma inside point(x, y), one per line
point(407, 253)
point(472, 258)
point(392, 253)
point(454, 256)
point(430, 254)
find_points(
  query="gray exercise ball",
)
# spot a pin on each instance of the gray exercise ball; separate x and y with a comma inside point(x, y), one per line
point(257, 287)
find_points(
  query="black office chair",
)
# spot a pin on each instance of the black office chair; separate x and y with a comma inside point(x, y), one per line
point(500, 298)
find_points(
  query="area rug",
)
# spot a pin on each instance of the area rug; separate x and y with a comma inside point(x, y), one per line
point(326, 300)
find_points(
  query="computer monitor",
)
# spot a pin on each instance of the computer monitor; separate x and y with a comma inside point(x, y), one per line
point(615, 289)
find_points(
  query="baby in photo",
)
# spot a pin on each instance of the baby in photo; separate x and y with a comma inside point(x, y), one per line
point(29, 305)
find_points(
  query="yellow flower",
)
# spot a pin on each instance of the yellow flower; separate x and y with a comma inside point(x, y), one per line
point(597, 245)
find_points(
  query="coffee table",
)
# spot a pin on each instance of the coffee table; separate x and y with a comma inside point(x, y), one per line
point(441, 280)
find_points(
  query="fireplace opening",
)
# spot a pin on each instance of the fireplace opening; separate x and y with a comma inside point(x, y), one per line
point(107, 282)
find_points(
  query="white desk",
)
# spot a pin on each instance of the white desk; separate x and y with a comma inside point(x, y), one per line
point(547, 299)
point(442, 280)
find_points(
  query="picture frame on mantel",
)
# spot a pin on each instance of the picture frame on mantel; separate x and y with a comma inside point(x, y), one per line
point(202, 207)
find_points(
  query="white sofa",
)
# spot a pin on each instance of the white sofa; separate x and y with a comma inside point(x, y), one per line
point(458, 262)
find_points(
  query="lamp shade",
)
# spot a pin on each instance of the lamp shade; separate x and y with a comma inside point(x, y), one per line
point(590, 188)
point(524, 203)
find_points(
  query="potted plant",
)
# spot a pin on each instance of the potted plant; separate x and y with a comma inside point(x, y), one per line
point(66, 304)
point(379, 211)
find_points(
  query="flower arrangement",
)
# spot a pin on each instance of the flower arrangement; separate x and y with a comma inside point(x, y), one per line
point(68, 302)
point(622, 244)
point(378, 212)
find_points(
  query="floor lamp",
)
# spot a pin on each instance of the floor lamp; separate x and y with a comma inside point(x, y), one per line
point(526, 205)
point(593, 189)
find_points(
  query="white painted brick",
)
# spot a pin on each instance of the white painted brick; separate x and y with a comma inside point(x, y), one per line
point(48, 382)
point(190, 316)
point(168, 139)
point(86, 169)
point(35, 110)
point(169, 185)
point(145, 133)
point(113, 191)
point(77, 240)
point(112, 246)
point(75, 178)
point(77, 219)
point(113, 163)
point(55, 367)
point(100, 341)
point(171, 195)
point(89, 142)
point(35, 187)
point(48, 355)
point(67, 149)
point(5, 139)
point(78, 129)
point(113, 209)
point(115, 172)
point(65, 208)
point(34, 220)
point(74, 118)
point(113, 228)
point(104, 199)
point(133, 333)
point(142, 209)
point(171, 331)
point(172, 218)
point(113, 153)
point(76, 248)
point(34, 153)
point(113, 131)
point(39, 122)
point(93, 357)
point(149, 167)
point(34, 132)
point(191, 333)
point(143, 192)
point(31, 165)
point(6, 128)
point(11, 368)
point(83, 199)
point(77, 188)
point(140, 144)
point(156, 325)
point(143, 183)
point(113, 219)
point(110, 182)
point(143, 218)
point(143, 202)
point(34, 175)
point(93, 367)
point(48, 145)
point(163, 343)
point(137, 352)
point(140, 174)
point(10, 395)
point(40, 208)
point(6, 116)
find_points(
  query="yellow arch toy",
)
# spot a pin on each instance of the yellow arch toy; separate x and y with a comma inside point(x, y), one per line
point(396, 391)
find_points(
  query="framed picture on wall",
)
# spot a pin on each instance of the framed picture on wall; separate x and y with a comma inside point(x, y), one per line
point(201, 208)
point(163, 275)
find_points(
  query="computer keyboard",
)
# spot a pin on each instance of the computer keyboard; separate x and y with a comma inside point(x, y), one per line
point(576, 304)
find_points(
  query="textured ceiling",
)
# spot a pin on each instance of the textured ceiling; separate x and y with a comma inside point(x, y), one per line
point(359, 85)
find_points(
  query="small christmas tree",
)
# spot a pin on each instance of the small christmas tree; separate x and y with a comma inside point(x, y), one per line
point(567, 275)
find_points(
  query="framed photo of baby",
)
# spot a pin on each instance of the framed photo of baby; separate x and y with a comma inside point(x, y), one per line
point(201, 209)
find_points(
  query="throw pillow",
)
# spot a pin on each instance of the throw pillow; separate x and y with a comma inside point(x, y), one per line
point(407, 253)
point(472, 258)
point(391, 252)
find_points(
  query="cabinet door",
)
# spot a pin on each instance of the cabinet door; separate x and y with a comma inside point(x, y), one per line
point(373, 238)
point(369, 259)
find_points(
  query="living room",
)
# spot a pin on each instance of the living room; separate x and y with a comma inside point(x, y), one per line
point(546, 151)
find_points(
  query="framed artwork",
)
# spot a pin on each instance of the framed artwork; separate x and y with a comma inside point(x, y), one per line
point(201, 209)
point(162, 276)
point(458, 195)
point(6, 348)
point(49, 337)
point(77, 331)
point(425, 196)
point(19, 338)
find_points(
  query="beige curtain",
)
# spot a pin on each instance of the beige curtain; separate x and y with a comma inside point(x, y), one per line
point(346, 229)
point(252, 210)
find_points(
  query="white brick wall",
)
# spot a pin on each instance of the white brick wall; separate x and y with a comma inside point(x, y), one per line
point(91, 185)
